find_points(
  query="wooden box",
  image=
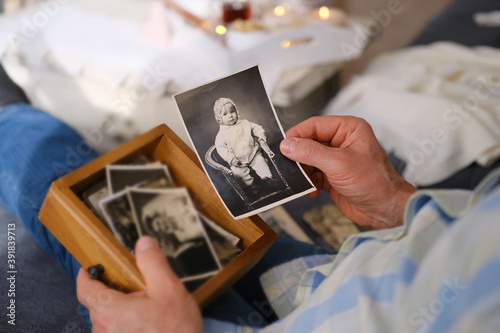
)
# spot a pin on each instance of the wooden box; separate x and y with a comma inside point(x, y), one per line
point(90, 242)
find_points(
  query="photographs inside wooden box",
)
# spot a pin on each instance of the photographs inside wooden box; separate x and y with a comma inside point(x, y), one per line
point(141, 198)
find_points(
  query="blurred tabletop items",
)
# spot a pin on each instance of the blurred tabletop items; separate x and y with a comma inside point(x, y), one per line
point(109, 68)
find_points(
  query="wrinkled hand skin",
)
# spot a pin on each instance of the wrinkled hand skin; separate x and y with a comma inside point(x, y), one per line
point(343, 157)
point(165, 305)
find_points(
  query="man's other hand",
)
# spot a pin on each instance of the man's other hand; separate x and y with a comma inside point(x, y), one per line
point(343, 157)
point(165, 305)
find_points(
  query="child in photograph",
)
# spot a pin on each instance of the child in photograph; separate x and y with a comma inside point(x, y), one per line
point(238, 143)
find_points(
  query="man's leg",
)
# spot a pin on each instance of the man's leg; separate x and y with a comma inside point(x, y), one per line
point(35, 150)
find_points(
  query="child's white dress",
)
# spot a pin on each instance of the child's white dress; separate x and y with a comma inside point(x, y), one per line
point(241, 141)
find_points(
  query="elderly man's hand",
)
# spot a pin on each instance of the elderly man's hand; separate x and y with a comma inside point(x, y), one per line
point(343, 157)
point(165, 305)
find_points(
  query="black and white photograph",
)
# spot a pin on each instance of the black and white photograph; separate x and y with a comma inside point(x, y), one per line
point(284, 225)
point(169, 216)
point(223, 242)
point(331, 225)
point(118, 215)
point(121, 176)
point(115, 208)
point(236, 134)
point(93, 195)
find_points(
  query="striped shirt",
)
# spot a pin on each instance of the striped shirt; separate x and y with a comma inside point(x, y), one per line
point(439, 272)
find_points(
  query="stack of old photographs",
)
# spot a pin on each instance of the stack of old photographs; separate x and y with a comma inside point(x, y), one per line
point(141, 199)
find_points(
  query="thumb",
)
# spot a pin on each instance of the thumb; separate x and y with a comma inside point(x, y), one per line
point(152, 263)
point(307, 151)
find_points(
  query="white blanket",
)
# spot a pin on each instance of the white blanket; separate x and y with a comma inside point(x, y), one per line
point(437, 107)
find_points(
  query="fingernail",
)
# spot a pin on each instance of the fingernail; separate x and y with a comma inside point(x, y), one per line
point(145, 243)
point(288, 145)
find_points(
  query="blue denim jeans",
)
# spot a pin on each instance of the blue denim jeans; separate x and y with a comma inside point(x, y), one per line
point(36, 149)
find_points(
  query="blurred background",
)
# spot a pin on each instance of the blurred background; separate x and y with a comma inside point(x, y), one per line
point(109, 68)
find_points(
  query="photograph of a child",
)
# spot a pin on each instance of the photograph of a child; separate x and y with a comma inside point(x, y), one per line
point(236, 134)
point(240, 143)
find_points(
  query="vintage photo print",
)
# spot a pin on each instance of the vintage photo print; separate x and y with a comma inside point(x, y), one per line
point(169, 216)
point(93, 195)
point(236, 134)
point(284, 225)
point(115, 208)
point(224, 243)
point(118, 215)
point(121, 176)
